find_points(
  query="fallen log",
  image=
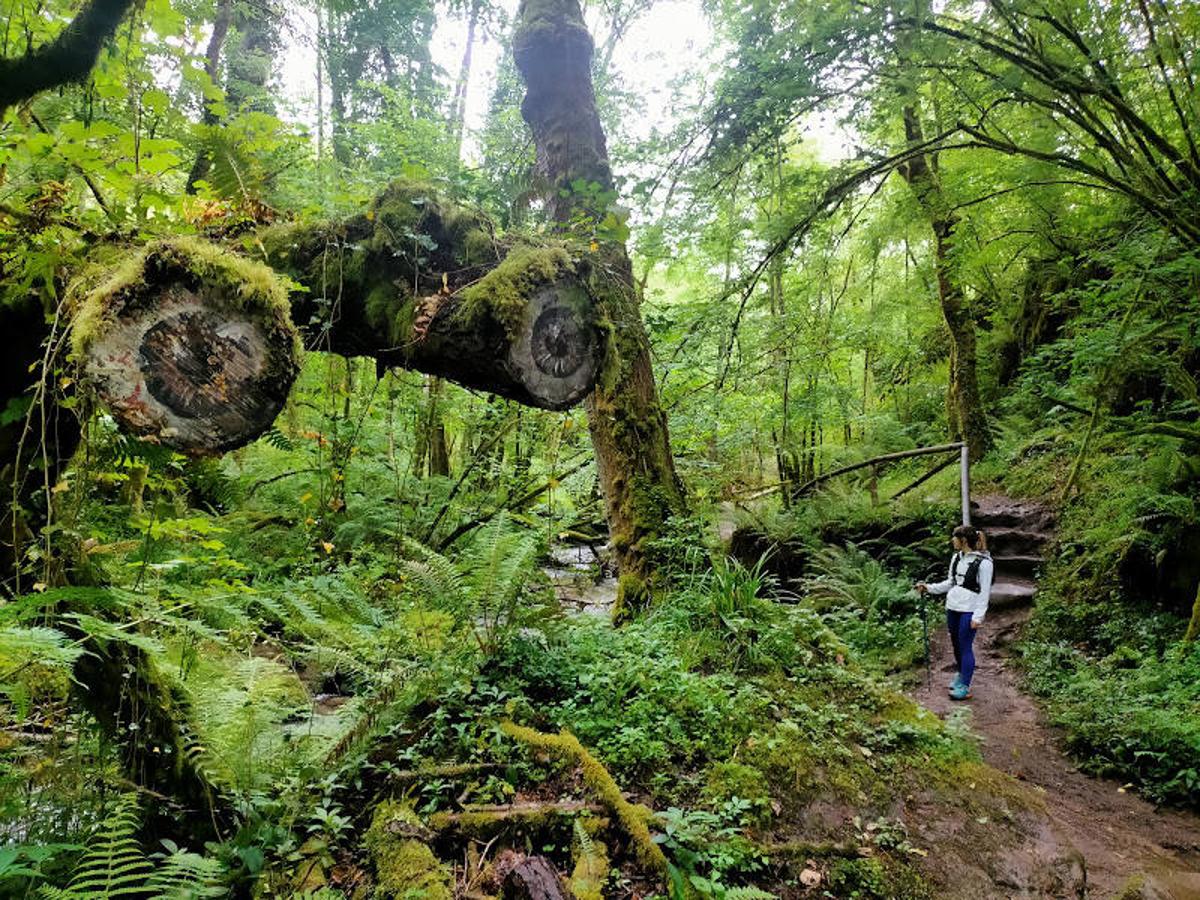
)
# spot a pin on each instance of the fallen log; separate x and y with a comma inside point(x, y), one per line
point(513, 822)
point(874, 461)
point(194, 346)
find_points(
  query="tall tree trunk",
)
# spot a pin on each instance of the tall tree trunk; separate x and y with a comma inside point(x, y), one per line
point(212, 68)
point(553, 52)
point(964, 409)
point(252, 59)
point(459, 105)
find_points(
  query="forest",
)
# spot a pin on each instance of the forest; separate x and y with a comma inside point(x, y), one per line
point(488, 449)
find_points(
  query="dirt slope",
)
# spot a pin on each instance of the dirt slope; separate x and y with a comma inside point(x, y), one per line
point(1124, 841)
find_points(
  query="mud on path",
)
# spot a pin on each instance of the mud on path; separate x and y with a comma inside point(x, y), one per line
point(1118, 834)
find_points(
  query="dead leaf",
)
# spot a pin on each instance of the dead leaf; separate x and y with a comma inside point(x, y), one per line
point(810, 878)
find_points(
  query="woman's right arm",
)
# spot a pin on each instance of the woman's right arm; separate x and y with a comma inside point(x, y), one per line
point(943, 587)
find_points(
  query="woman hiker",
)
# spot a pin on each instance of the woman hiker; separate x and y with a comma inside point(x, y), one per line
point(967, 591)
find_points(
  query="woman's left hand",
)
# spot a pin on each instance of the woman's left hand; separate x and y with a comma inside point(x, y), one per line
point(975, 625)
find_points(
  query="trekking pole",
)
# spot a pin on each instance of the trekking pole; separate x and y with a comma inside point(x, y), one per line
point(925, 633)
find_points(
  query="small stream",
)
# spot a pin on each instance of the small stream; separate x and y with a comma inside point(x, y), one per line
point(582, 582)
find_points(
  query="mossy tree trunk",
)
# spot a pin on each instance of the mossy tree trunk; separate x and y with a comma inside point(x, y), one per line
point(964, 408)
point(553, 52)
point(37, 439)
point(1193, 628)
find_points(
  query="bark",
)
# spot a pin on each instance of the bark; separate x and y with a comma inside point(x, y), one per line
point(252, 59)
point(69, 57)
point(1193, 628)
point(212, 68)
point(553, 52)
point(194, 347)
point(964, 408)
point(36, 442)
point(533, 878)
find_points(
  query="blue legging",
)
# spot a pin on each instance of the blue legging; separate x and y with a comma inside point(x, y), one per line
point(962, 637)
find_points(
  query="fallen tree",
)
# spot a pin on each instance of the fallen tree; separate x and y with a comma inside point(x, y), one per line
point(193, 345)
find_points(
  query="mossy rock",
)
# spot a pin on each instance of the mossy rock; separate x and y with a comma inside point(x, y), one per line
point(405, 867)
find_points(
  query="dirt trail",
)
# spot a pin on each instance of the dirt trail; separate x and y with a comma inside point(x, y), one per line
point(1118, 833)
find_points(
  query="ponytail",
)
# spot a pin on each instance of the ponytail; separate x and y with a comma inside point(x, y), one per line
point(973, 537)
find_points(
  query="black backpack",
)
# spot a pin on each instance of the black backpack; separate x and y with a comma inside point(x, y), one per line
point(971, 577)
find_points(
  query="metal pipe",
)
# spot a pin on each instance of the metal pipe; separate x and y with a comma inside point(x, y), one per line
point(965, 466)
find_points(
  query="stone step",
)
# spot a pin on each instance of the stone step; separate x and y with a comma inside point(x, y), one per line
point(1012, 593)
point(1015, 541)
point(1016, 565)
point(994, 512)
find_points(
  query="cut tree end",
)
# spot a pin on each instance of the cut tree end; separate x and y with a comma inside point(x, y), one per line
point(556, 357)
point(189, 346)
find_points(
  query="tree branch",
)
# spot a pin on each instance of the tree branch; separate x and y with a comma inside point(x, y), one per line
point(69, 57)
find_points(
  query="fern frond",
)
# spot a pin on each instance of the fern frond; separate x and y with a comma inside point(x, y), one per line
point(232, 172)
point(113, 865)
point(587, 846)
point(188, 876)
point(277, 439)
point(748, 893)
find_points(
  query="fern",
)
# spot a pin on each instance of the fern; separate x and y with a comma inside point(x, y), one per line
point(187, 876)
point(587, 846)
point(209, 486)
point(232, 172)
point(275, 438)
point(484, 587)
point(113, 865)
point(748, 893)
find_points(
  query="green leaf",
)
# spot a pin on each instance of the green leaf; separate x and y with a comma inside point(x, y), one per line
point(156, 101)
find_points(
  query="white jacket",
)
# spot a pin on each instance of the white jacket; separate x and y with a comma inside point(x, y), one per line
point(958, 598)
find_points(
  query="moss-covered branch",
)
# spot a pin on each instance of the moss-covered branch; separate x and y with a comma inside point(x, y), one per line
point(633, 818)
point(195, 346)
point(69, 57)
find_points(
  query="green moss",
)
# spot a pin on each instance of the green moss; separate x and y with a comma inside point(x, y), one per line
point(725, 781)
point(591, 868)
point(503, 293)
point(479, 246)
point(390, 311)
point(542, 20)
point(632, 817)
point(633, 596)
point(405, 868)
point(222, 278)
point(1132, 888)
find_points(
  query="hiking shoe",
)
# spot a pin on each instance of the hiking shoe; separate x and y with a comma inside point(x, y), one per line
point(953, 686)
point(960, 692)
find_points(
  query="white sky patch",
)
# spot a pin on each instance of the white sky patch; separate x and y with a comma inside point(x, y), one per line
point(670, 40)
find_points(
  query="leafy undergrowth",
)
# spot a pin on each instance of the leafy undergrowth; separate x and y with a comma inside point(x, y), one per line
point(1105, 648)
point(313, 701)
point(351, 694)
